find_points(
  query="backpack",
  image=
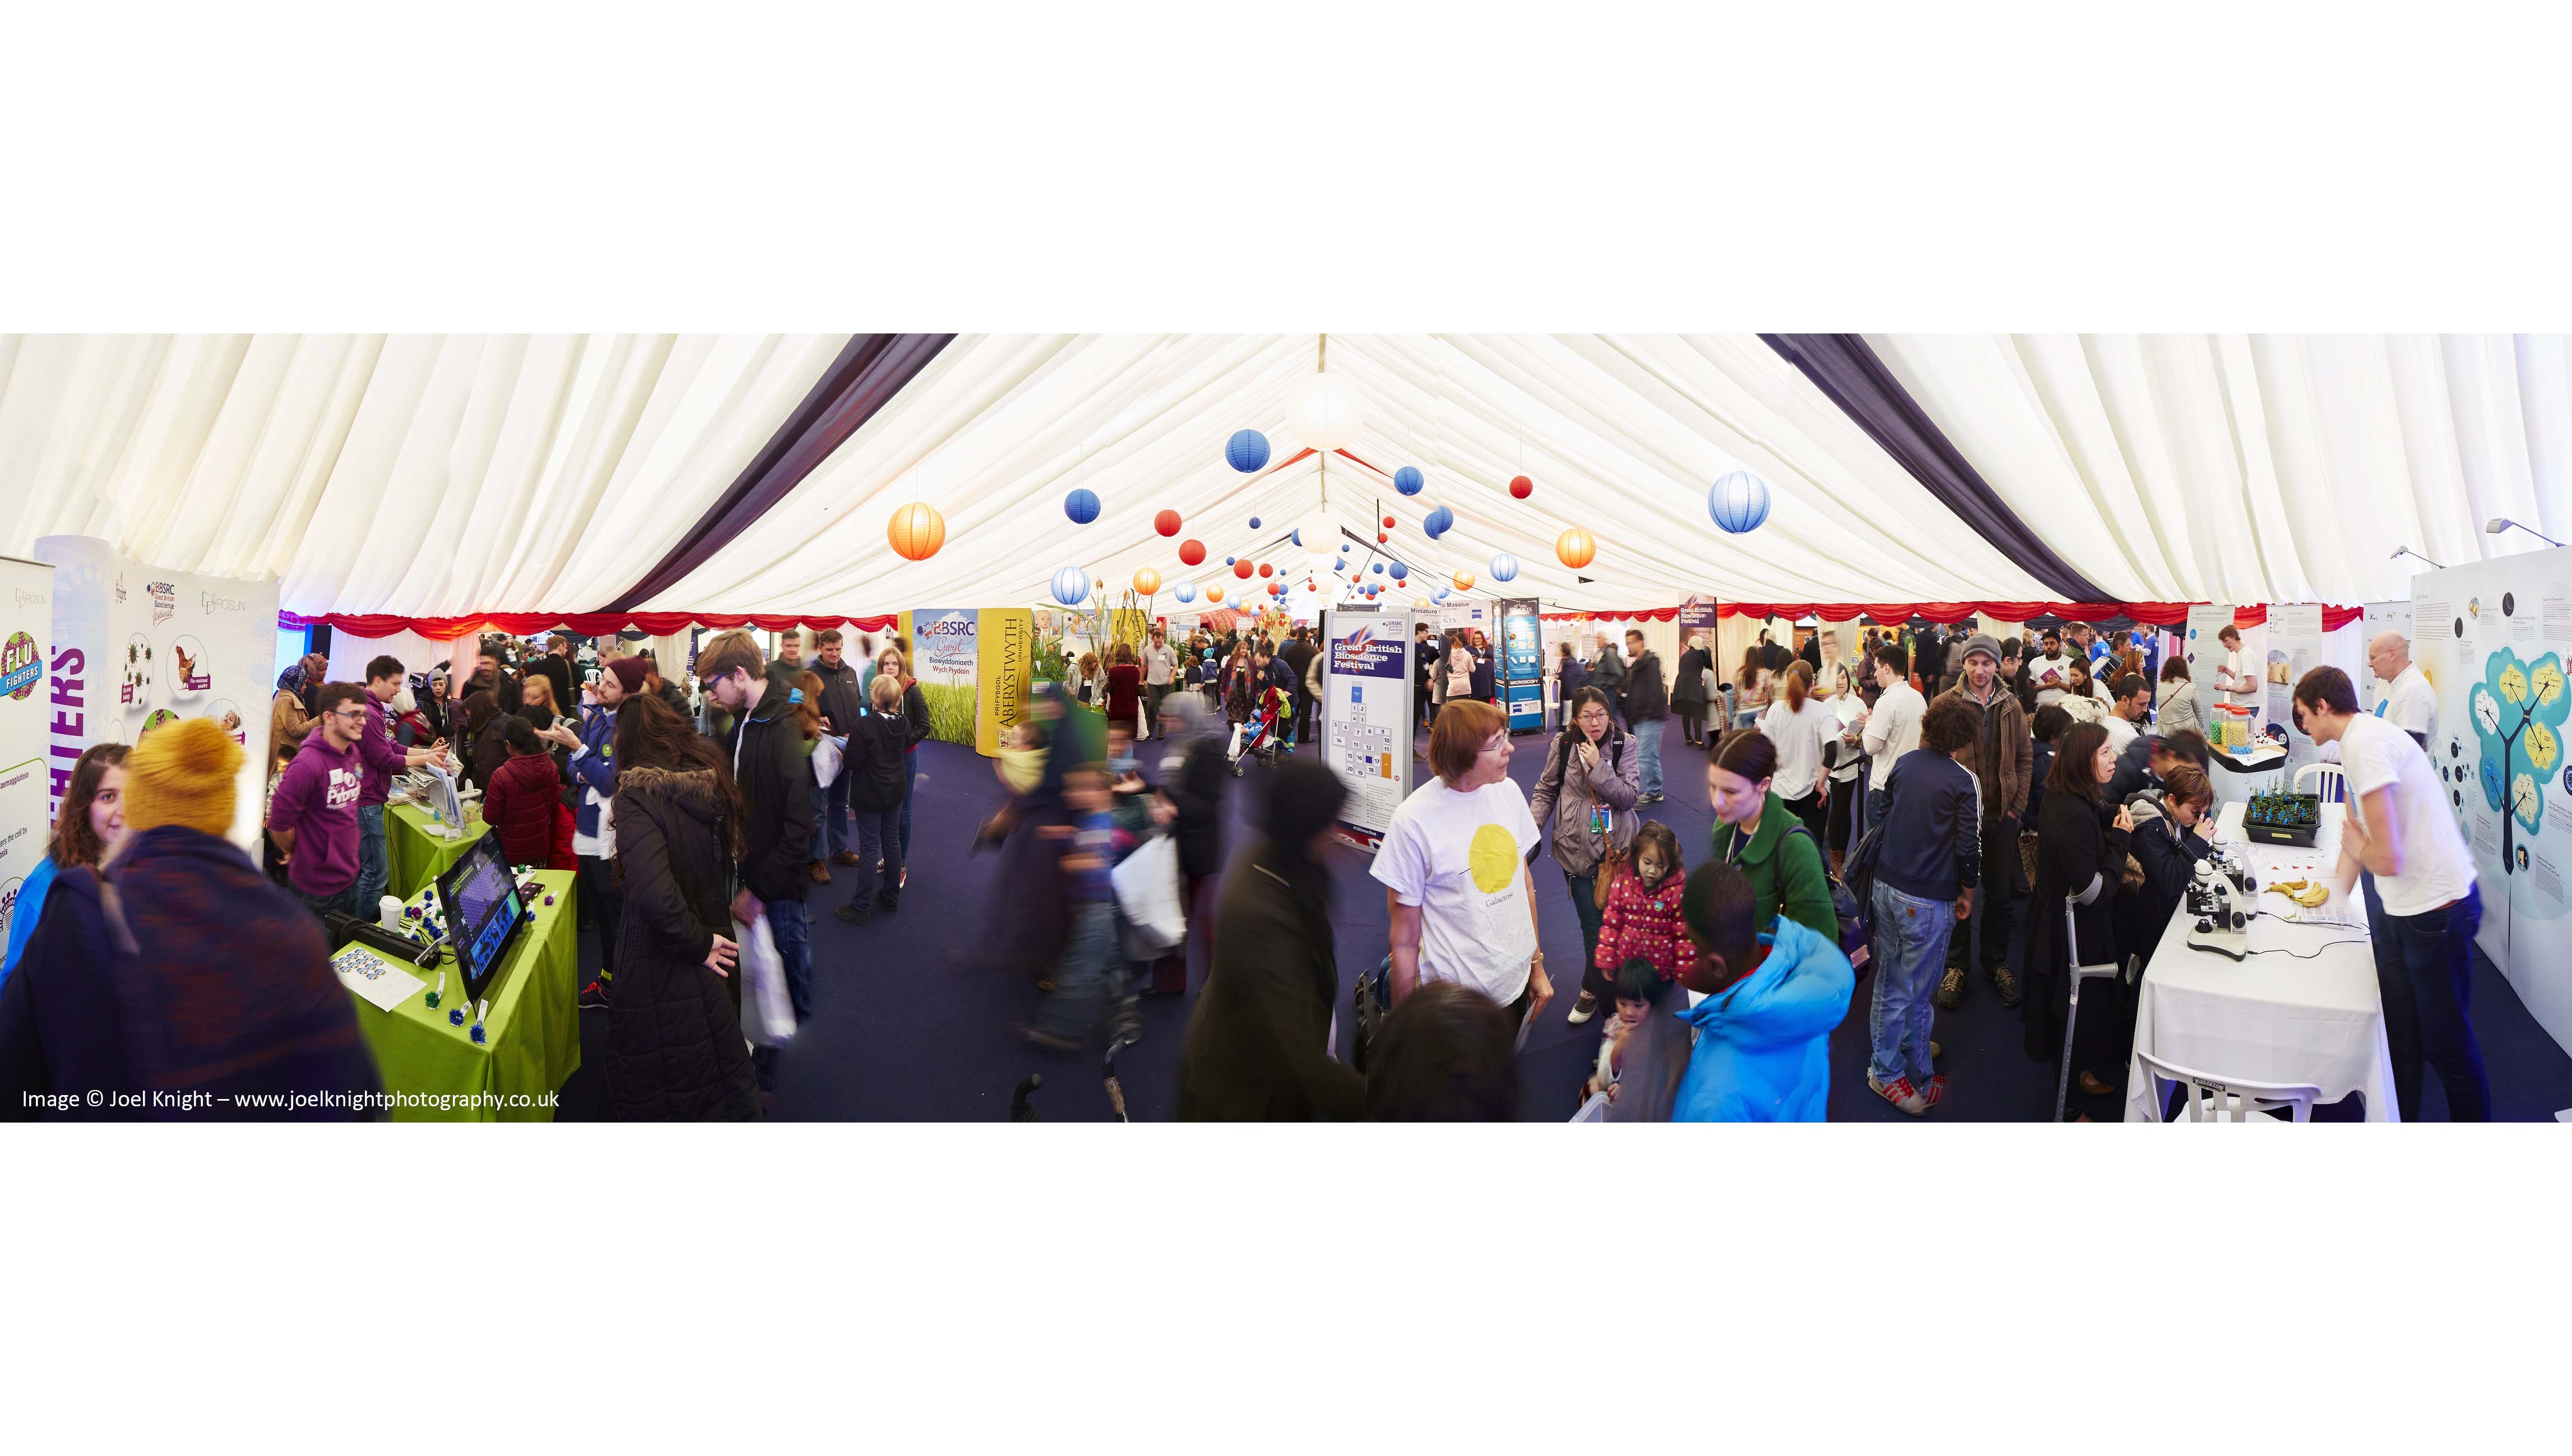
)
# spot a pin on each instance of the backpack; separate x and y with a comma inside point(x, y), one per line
point(1848, 905)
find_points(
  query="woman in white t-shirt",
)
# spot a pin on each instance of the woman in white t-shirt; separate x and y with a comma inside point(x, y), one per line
point(1797, 723)
point(1454, 863)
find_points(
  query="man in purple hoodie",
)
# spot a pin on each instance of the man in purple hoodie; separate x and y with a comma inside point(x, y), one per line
point(313, 813)
point(383, 757)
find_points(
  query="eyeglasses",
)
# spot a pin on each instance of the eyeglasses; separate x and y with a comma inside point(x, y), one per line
point(356, 715)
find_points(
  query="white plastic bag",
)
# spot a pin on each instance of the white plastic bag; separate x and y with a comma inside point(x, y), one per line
point(1147, 889)
point(1233, 752)
point(826, 751)
point(767, 1012)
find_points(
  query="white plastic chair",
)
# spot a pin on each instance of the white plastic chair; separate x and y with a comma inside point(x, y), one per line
point(2332, 778)
point(2106, 969)
point(2229, 1099)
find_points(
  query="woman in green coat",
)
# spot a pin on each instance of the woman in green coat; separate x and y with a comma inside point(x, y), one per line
point(1759, 834)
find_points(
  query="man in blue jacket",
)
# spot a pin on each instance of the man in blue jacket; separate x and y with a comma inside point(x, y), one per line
point(593, 779)
point(1928, 862)
point(1763, 1029)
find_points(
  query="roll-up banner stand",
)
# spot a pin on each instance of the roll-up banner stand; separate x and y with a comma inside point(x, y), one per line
point(26, 710)
point(1522, 674)
point(1367, 715)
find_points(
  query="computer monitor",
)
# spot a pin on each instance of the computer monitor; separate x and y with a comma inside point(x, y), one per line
point(485, 912)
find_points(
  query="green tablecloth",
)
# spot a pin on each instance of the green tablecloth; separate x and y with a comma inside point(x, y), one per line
point(413, 855)
point(533, 1030)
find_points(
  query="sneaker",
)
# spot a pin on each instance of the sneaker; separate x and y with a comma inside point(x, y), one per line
point(904, 881)
point(1937, 1087)
point(845, 857)
point(888, 901)
point(2005, 981)
point(853, 915)
point(1650, 799)
point(1934, 1052)
point(1583, 1009)
point(1900, 1093)
point(1046, 1040)
point(821, 872)
point(593, 997)
point(1951, 989)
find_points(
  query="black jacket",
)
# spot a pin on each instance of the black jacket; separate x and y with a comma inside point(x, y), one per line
point(1258, 1044)
point(558, 672)
point(2167, 855)
point(1645, 698)
point(878, 771)
point(841, 702)
point(674, 1045)
point(1297, 654)
point(776, 777)
point(2134, 770)
point(1931, 810)
point(1689, 690)
point(2074, 842)
point(1196, 792)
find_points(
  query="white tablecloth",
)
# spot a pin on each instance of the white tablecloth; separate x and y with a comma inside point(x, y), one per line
point(2270, 1017)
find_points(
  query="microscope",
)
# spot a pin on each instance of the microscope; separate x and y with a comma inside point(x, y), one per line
point(2222, 897)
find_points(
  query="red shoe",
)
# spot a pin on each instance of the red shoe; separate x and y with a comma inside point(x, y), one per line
point(1900, 1093)
point(1937, 1089)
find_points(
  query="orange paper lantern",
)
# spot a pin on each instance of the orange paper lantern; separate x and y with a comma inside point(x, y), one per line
point(1575, 547)
point(1147, 582)
point(1464, 582)
point(1214, 594)
point(916, 531)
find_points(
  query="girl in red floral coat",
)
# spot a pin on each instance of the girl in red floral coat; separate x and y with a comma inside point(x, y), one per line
point(1641, 918)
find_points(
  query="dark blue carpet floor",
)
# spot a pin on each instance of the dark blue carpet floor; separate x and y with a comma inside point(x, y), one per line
point(912, 1024)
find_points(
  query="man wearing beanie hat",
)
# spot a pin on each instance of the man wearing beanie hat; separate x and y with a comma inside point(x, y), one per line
point(593, 777)
point(314, 815)
point(176, 981)
point(2002, 755)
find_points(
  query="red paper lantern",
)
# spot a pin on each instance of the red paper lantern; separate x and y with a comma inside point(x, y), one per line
point(1241, 568)
point(1167, 522)
point(1381, 538)
point(1267, 570)
point(1191, 553)
point(1388, 522)
point(1522, 487)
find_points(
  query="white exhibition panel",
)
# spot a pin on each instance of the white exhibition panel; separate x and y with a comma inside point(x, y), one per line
point(2502, 741)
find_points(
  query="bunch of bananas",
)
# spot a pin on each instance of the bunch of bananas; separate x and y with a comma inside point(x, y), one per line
point(2306, 892)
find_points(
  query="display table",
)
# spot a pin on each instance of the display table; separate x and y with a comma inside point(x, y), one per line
point(415, 854)
point(2273, 1016)
point(533, 1032)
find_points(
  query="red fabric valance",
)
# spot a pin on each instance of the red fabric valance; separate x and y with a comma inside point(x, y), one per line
point(2149, 614)
point(587, 624)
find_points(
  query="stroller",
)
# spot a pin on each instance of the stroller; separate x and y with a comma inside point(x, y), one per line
point(1261, 735)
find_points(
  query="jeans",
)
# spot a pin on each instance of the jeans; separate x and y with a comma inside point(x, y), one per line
point(1909, 935)
point(1647, 733)
point(1090, 978)
point(2424, 969)
point(1584, 905)
point(344, 903)
point(790, 923)
point(373, 871)
point(606, 906)
point(1153, 693)
point(910, 791)
point(879, 837)
point(831, 817)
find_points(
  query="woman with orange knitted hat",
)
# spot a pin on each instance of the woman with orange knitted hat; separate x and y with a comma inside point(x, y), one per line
point(176, 981)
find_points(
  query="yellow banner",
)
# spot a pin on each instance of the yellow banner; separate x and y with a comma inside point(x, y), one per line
point(1003, 664)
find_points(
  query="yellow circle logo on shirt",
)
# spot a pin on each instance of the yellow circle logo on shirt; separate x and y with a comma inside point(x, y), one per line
point(1494, 859)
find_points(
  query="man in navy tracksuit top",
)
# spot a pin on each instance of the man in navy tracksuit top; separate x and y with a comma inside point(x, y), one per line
point(593, 777)
point(1928, 861)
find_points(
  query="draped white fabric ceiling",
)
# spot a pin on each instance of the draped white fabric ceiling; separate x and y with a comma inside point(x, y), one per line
point(442, 475)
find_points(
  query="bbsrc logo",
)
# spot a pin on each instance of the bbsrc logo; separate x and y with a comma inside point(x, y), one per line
point(165, 601)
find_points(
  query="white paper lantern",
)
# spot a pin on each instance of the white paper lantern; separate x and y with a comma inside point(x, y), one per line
point(1326, 412)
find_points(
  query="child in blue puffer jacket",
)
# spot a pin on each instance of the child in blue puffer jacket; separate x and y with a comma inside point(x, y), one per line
point(1763, 1029)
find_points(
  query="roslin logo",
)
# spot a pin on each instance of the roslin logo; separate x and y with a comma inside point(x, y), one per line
point(28, 598)
point(209, 604)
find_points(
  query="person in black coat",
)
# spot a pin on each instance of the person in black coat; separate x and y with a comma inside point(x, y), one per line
point(1688, 693)
point(1258, 1044)
point(775, 776)
point(2174, 830)
point(674, 1041)
point(2081, 846)
point(1193, 777)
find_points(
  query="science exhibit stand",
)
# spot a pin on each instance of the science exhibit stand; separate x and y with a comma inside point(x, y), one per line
point(1367, 715)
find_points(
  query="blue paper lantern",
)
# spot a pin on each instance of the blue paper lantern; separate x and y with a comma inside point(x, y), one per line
point(1440, 522)
point(1081, 507)
point(1254, 523)
point(1247, 451)
point(1379, 568)
point(1409, 481)
point(1400, 571)
point(1439, 595)
point(1504, 567)
point(1738, 503)
point(1072, 586)
point(1185, 592)
point(1227, 560)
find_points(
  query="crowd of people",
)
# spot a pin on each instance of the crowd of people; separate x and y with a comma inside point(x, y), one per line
point(1895, 813)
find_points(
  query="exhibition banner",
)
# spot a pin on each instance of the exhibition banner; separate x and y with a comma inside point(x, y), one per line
point(136, 646)
point(2391, 616)
point(2493, 637)
point(26, 707)
point(1367, 715)
point(1522, 674)
point(1006, 648)
point(1696, 617)
point(2297, 645)
point(943, 658)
